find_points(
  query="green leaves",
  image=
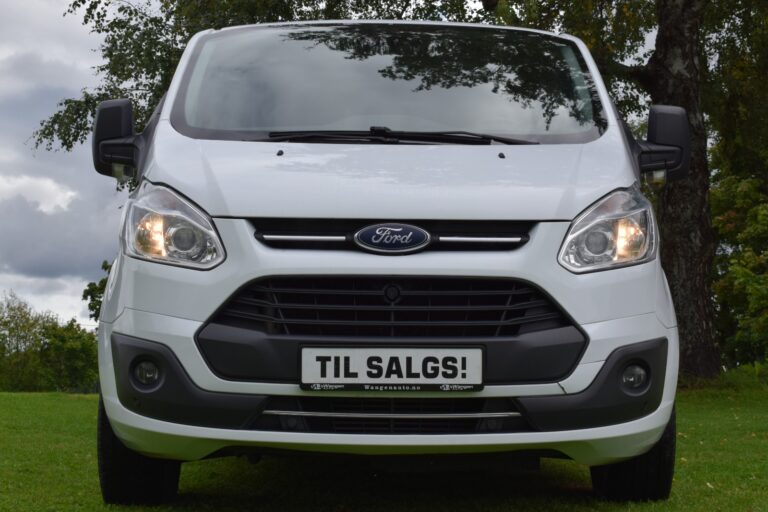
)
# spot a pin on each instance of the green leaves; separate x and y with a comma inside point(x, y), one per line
point(737, 100)
point(94, 292)
point(740, 208)
point(37, 353)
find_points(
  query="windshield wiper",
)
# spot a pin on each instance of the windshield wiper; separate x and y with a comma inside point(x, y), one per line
point(454, 136)
point(386, 135)
point(329, 136)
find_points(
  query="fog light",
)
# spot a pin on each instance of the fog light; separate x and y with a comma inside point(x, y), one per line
point(147, 373)
point(634, 378)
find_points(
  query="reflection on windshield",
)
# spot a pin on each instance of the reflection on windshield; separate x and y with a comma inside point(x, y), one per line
point(246, 82)
point(527, 67)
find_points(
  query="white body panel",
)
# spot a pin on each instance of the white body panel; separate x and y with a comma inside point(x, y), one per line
point(169, 305)
point(236, 179)
point(231, 181)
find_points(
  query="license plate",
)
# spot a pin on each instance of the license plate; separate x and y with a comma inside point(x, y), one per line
point(391, 369)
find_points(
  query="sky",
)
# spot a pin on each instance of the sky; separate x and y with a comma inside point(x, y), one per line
point(58, 218)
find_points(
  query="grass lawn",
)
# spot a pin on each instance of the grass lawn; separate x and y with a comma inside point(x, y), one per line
point(48, 462)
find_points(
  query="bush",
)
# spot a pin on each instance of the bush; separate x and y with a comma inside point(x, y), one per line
point(38, 353)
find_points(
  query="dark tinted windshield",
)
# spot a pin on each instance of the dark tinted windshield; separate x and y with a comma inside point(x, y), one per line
point(244, 83)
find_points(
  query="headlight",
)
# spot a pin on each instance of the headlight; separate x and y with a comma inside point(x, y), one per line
point(161, 226)
point(617, 231)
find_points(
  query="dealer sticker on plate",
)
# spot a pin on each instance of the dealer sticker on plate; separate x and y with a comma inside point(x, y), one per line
point(391, 369)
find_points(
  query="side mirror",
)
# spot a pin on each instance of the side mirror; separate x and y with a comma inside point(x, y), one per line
point(114, 146)
point(667, 152)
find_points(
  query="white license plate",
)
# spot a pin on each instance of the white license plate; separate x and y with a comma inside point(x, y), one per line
point(391, 369)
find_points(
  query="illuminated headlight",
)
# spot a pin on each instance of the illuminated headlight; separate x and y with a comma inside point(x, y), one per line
point(162, 226)
point(617, 231)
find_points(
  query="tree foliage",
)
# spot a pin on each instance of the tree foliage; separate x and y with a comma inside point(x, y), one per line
point(94, 292)
point(708, 56)
point(738, 107)
point(38, 353)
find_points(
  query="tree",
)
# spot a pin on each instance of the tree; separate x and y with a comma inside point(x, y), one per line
point(737, 101)
point(37, 353)
point(20, 339)
point(143, 42)
point(94, 292)
point(68, 358)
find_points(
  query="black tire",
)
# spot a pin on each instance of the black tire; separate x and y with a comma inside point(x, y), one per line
point(644, 478)
point(127, 477)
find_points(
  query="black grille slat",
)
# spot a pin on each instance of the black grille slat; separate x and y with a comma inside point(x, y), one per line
point(355, 307)
point(395, 323)
point(418, 306)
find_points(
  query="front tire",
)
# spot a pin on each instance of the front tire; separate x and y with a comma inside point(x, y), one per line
point(644, 478)
point(127, 477)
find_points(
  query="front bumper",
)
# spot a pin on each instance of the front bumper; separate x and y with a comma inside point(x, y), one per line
point(176, 399)
point(614, 309)
point(196, 420)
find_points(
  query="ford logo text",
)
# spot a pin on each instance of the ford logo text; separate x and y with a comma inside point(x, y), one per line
point(392, 238)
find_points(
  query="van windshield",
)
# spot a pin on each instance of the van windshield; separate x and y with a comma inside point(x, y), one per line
point(245, 83)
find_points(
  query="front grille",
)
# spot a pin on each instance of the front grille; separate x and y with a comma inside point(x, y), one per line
point(372, 415)
point(338, 234)
point(373, 306)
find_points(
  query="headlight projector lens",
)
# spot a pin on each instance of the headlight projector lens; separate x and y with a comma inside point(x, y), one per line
point(185, 240)
point(597, 242)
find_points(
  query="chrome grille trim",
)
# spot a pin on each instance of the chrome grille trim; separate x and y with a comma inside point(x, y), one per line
point(480, 239)
point(303, 238)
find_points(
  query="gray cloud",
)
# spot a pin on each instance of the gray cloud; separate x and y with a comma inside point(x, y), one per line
point(70, 243)
point(51, 242)
point(25, 70)
point(39, 26)
point(63, 242)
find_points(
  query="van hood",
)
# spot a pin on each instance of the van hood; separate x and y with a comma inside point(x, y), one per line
point(389, 182)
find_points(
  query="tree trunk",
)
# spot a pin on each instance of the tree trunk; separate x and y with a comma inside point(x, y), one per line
point(687, 239)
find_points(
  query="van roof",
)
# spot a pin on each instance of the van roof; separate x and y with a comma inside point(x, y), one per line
point(394, 22)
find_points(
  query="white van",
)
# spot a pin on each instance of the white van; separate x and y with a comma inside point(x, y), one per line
point(387, 238)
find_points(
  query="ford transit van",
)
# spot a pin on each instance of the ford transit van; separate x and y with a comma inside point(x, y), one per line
point(387, 238)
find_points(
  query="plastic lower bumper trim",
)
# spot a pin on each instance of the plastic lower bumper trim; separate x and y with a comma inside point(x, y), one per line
point(175, 398)
point(604, 402)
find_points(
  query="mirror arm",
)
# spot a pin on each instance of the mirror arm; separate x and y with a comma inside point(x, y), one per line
point(123, 155)
point(656, 157)
point(119, 151)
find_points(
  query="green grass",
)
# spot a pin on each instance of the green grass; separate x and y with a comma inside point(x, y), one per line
point(48, 462)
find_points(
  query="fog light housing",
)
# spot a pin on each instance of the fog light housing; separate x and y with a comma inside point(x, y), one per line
point(635, 378)
point(146, 373)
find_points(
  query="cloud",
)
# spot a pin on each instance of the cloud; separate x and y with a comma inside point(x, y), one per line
point(62, 295)
point(49, 195)
point(67, 243)
point(40, 27)
point(22, 70)
point(58, 219)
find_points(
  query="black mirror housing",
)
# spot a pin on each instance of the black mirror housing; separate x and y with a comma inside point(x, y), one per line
point(113, 141)
point(668, 147)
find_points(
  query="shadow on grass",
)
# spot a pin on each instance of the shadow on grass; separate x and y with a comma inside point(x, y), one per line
point(370, 484)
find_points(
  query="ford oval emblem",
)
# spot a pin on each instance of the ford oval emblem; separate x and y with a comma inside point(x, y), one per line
point(392, 238)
